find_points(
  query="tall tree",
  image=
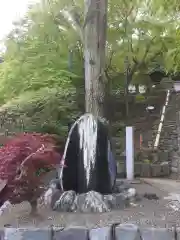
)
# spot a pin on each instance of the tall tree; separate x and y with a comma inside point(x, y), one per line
point(37, 50)
point(94, 55)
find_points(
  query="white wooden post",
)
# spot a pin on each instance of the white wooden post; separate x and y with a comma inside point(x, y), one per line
point(129, 153)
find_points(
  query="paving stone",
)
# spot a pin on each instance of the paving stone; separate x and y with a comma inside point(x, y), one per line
point(56, 232)
point(100, 233)
point(74, 233)
point(128, 232)
point(157, 234)
point(27, 234)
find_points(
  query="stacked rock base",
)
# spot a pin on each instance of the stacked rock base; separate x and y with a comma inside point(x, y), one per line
point(92, 202)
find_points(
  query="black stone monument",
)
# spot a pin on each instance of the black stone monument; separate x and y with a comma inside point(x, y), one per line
point(89, 163)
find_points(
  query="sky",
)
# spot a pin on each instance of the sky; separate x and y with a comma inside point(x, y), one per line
point(11, 10)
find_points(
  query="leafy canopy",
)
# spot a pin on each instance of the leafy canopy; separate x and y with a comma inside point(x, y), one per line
point(44, 51)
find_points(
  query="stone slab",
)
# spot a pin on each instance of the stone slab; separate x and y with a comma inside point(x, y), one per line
point(100, 233)
point(127, 232)
point(145, 170)
point(1, 234)
point(163, 156)
point(128, 182)
point(157, 234)
point(137, 169)
point(121, 232)
point(156, 170)
point(27, 233)
point(177, 237)
point(165, 169)
point(74, 233)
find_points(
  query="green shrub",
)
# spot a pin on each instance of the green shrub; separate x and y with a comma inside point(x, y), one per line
point(47, 111)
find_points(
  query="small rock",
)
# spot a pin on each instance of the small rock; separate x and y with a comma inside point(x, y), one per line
point(117, 201)
point(131, 192)
point(133, 204)
point(55, 197)
point(138, 198)
point(50, 197)
point(55, 183)
point(94, 202)
point(122, 186)
point(65, 202)
point(5, 207)
point(90, 202)
point(110, 200)
point(122, 200)
point(151, 196)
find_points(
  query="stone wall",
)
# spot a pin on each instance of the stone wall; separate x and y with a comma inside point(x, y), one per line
point(145, 170)
point(170, 136)
point(168, 139)
point(114, 232)
point(169, 145)
point(168, 150)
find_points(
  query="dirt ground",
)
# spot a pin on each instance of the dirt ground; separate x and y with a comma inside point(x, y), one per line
point(156, 213)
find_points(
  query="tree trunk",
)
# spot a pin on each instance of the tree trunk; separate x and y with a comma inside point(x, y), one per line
point(94, 55)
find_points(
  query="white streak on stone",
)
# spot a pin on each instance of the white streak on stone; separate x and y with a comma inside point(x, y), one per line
point(111, 164)
point(66, 147)
point(48, 197)
point(88, 142)
point(5, 207)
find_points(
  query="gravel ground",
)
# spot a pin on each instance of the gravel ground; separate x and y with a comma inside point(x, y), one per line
point(156, 213)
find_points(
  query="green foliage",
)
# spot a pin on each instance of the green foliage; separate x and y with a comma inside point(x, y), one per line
point(43, 63)
point(36, 56)
point(47, 110)
point(172, 59)
point(36, 84)
point(38, 47)
point(137, 30)
point(138, 35)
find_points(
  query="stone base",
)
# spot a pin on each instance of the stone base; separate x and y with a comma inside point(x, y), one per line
point(93, 201)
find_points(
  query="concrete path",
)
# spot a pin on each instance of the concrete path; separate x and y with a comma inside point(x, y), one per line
point(166, 185)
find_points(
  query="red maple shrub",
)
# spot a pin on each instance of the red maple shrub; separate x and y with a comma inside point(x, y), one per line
point(20, 159)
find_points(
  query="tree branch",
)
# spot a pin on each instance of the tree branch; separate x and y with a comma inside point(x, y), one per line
point(127, 13)
point(73, 18)
point(155, 55)
point(139, 64)
point(147, 50)
point(110, 60)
